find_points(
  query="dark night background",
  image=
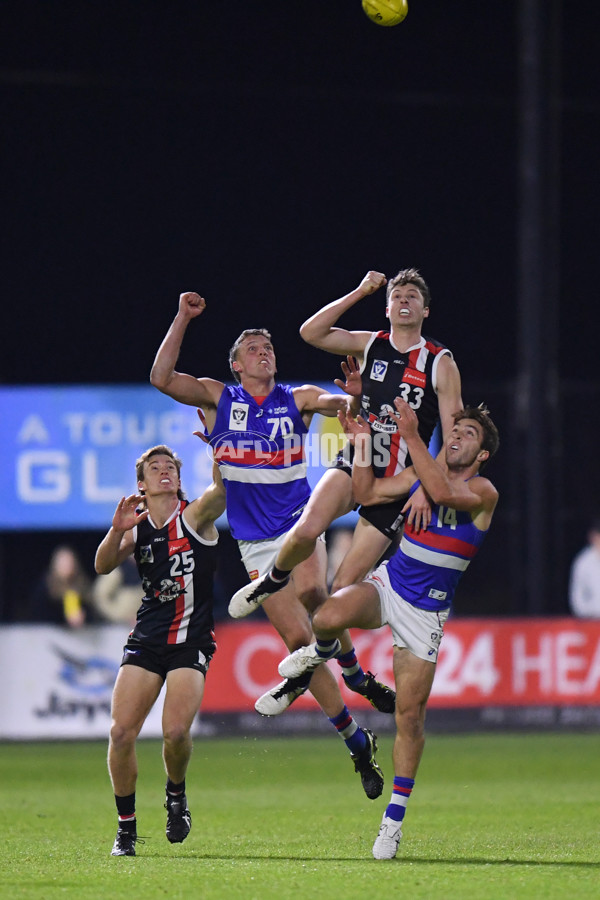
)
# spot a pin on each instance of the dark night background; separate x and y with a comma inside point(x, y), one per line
point(269, 153)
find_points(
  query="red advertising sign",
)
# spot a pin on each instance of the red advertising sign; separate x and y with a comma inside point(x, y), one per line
point(482, 662)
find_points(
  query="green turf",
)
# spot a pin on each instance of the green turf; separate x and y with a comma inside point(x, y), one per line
point(511, 816)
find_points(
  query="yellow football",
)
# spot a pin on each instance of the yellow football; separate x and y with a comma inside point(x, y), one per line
point(386, 12)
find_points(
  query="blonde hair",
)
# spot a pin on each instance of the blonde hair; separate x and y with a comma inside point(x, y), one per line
point(249, 332)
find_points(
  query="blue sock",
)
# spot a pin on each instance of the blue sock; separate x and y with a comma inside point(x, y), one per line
point(353, 737)
point(352, 672)
point(324, 647)
point(400, 796)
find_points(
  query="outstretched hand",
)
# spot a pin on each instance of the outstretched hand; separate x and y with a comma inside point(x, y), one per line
point(126, 515)
point(192, 304)
point(201, 434)
point(353, 383)
point(352, 427)
point(405, 418)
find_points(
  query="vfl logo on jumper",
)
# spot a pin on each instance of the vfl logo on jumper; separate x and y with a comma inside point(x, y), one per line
point(378, 369)
point(238, 417)
point(383, 422)
point(146, 554)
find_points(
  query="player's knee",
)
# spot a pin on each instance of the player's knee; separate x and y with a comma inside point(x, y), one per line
point(175, 734)
point(299, 635)
point(327, 621)
point(122, 736)
point(410, 721)
point(312, 597)
point(306, 531)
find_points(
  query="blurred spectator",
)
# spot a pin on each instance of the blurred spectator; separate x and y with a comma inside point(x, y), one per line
point(584, 586)
point(118, 595)
point(62, 595)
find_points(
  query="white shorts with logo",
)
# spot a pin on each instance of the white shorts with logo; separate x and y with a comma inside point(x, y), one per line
point(259, 556)
point(418, 630)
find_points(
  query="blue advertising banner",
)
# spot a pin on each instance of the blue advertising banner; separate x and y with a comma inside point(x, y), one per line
point(69, 451)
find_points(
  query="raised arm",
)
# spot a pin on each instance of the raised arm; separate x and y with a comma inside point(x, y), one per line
point(118, 542)
point(311, 399)
point(477, 495)
point(202, 513)
point(319, 330)
point(448, 388)
point(204, 392)
point(449, 395)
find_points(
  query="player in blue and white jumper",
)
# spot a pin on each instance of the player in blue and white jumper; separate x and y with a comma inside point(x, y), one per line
point(413, 592)
point(257, 429)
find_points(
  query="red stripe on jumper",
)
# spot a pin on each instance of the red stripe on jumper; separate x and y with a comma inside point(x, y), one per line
point(440, 542)
point(246, 457)
point(180, 601)
point(394, 450)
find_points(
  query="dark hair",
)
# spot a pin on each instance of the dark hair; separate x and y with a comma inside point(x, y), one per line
point(410, 276)
point(248, 332)
point(481, 414)
point(159, 450)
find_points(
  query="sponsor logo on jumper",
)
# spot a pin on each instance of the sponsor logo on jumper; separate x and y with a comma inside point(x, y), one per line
point(383, 422)
point(178, 546)
point(413, 376)
point(437, 595)
point(168, 590)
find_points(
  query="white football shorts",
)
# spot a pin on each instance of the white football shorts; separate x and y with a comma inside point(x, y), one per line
point(418, 630)
point(259, 556)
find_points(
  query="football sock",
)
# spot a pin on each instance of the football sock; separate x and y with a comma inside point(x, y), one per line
point(349, 731)
point(279, 575)
point(126, 810)
point(324, 648)
point(400, 796)
point(274, 581)
point(175, 789)
point(352, 672)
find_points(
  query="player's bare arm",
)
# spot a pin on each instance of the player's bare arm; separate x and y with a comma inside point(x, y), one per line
point(418, 506)
point(202, 513)
point(204, 392)
point(118, 542)
point(311, 399)
point(449, 392)
point(476, 495)
point(366, 489)
point(320, 330)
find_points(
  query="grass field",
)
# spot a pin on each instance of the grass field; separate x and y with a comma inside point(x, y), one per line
point(510, 816)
